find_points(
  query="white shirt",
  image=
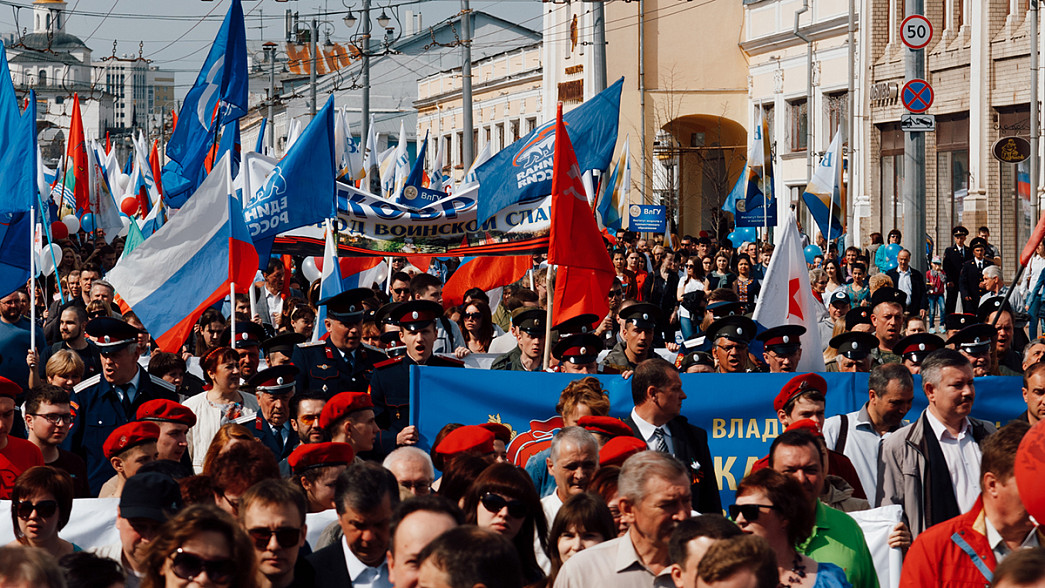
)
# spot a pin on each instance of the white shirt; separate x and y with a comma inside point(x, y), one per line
point(863, 445)
point(963, 460)
point(647, 430)
point(551, 505)
point(362, 575)
point(904, 282)
point(687, 287)
point(998, 546)
point(274, 303)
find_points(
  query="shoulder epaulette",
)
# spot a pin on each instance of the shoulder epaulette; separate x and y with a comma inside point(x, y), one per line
point(162, 383)
point(92, 381)
point(308, 344)
point(450, 361)
point(389, 362)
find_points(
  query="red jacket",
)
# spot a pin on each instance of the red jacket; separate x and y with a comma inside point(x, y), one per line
point(934, 559)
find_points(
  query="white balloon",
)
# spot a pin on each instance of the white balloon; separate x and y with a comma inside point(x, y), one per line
point(309, 269)
point(122, 181)
point(126, 225)
point(72, 223)
point(44, 263)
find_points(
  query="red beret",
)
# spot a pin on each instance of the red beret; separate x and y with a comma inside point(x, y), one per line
point(166, 411)
point(806, 425)
point(130, 435)
point(797, 385)
point(315, 455)
point(343, 404)
point(606, 425)
point(499, 431)
point(618, 449)
point(9, 388)
point(469, 438)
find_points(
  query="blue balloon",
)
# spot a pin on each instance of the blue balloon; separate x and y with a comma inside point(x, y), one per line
point(892, 250)
point(87, 223)
point(735, 238)
point(811, 251)
point(750, 234)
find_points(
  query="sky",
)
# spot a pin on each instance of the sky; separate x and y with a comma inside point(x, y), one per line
point(177, 33)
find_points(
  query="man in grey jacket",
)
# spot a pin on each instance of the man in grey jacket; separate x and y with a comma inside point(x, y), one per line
point(932, 466)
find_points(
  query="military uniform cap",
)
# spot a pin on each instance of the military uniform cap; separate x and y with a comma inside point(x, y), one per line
point(530, 320)
point(858, 315)
point(643, 315)
point(957, 321)
point(974, 339)
point(416, 314)
point(128, 436)
point(284, 343)
point(889, 294)
point(248, 334)
point(915, 347)
point(166, 411)
point(274, 380)
point(959, 231)
point(855, 345)
point(319, 455)
point(347, 306)
point(782, 340)
point(111, 334)
point(578, 349)
point(797, 385)
point(993, 304)
point(724, 308)
point(696, 358)
point(583, 323)
point(618, 449)
point(978, 242)
point(740, 329)
point(383, 314)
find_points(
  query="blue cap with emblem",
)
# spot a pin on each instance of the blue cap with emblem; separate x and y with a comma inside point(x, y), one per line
point(347, 306)
point(274, 380)
point(111, 334)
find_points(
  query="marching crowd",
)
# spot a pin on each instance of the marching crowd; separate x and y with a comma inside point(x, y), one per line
point(215, 454)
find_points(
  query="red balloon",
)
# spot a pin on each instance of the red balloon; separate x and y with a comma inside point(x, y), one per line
point(59, 231)
point(129, 205)
point(1030, 470)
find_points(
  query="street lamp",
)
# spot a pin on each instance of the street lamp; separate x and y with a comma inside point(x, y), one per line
point(362, 44)
point(350, 19)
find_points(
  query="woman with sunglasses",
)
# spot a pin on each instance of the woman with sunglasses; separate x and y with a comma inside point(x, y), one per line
point(201, 546)
point(503, 499)
point(583, 521)
point(774, 507)
point(694, 281)
point(477, 326)
point(41, 502)
point(222, 404)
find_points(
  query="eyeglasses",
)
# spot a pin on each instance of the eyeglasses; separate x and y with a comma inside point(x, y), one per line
point(419, 487)
point(44, 508)
point(187, 566)
point(473, 315)
point(616, 293)
point(55, 418)
point(233, 502)
point(495, 502)
point(751, 512)
point(287, 537)
point(732, 348)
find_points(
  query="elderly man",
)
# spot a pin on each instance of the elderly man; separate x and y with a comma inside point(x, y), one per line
point(638, 323)
point(273, 514)
point(783, 347)
point(964, 550)
point(573, 461)
point(274, 388)
point(654, 497)
point(887, 319)
point(859, 434)
point(1033, 352)
point(414, 525)
point(931, 467)
point(911, 282)
point(836, 537)
point(365, 496)
point(730, 337)
point(412, 468)
point(111, 398)
point(656, 390)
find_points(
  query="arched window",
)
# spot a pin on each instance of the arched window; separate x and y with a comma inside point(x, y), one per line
point(43, 77)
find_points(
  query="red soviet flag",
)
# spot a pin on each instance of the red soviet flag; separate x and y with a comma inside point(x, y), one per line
point(585, 273)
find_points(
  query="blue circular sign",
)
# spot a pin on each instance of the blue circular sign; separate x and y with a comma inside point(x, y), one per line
point(917, 96)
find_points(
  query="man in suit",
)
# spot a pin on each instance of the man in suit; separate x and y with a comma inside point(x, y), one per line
point(656, 390)
point(970, 282)
point(954, 257)
point(365, 496)
point(911, 282)
point(274, 388)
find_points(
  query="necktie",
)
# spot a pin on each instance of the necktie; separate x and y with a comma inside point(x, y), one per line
point(126, 401)
point(661, 444)
point(278, 434)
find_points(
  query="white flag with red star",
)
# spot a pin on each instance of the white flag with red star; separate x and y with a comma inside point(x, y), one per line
point(786, 297)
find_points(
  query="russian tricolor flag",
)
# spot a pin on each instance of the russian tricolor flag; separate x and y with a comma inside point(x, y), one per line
point(188, 264)
point(487, 273)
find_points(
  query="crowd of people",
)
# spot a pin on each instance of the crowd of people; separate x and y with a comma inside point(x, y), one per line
point(217, 453)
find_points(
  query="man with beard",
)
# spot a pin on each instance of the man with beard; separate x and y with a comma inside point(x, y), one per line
point(638, 322)
point(390, 384)
point(341, 363)
point(15, 340)
point(70, 327)
point(932, 466)
point(528, 326)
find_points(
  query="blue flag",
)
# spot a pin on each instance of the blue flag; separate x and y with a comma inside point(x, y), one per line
point(17, 147)
point(222, 80)
point(522, 171)
point(301, 190)
point(14, 251)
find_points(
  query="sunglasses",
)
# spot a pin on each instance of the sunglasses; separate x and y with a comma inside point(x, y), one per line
point(751, 512)
point(44, 508)
point(307, 419)
point(615, 293)
point(495, 502)
point(473, 315)
point(287, 537)
point(400, 290)
point(187, 566)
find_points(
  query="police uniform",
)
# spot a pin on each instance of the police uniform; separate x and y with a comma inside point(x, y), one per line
point(275, 380)
point(528, 320)
point(100, 408)
point(954, 258)
point(580, 349)
point(325, 369)
point(644, 316)
point(284, 344)
point(390, 383)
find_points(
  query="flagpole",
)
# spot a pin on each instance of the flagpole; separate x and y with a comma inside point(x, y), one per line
point(32, 280)
point(548, 320)
point(765, 198)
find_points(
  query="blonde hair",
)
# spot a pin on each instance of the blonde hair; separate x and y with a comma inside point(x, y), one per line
point(64, 363)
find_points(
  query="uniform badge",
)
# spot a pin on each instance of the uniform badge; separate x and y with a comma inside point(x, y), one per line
point(323, 366)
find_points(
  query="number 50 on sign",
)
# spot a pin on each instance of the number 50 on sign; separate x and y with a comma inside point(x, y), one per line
point(916, 31)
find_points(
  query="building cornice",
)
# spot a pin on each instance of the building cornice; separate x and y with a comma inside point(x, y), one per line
point(535, 75)
point(817, 31)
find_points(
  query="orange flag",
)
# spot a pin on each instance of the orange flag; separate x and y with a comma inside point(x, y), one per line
point(585, 274)
point(76, 180)
point(154, 162)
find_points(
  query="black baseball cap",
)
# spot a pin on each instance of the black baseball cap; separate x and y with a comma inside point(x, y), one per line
point(150, 495)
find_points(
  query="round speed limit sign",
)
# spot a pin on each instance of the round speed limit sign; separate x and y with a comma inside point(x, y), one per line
point(916, 31)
